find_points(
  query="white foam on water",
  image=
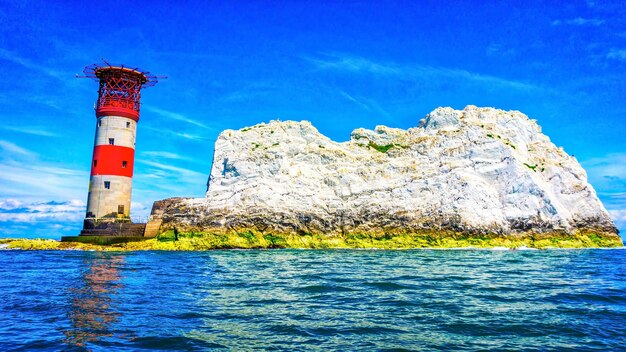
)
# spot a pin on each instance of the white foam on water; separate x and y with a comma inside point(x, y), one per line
point(608, 248)
point(4, 246)
point(524, 248)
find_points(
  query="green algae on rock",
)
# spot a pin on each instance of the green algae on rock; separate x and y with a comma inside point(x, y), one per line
point(198, 241)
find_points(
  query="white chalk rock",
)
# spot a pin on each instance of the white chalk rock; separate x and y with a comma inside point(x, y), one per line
point(479, 170)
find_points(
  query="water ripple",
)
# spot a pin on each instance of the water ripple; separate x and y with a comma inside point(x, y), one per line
point(295, 300)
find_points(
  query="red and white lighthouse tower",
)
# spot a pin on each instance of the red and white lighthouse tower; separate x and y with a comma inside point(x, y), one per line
point(117, 114)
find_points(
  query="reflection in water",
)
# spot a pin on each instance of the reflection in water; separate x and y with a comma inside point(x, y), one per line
point(90, 313)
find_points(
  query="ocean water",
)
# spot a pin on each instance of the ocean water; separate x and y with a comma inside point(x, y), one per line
point(304, 300)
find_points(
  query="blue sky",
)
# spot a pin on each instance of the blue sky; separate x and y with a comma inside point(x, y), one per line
point(341, 66)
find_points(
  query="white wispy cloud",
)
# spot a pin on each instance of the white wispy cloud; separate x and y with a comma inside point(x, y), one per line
point(613, 200)
point(25, 175)
point(183, 135)
point(618, 215)
point(579, 21)
point(366, 104)
point(23, 179)
point(165, 155)
point(349, 63)
point(161, 188)
point(617, 54)
point(18, 211)
point(140, 211)
point(190, 136)
point(14, 57)
point(606, 167)
point(178, 171)
point(355, 64)
point(28, 184)
point(607, 174)
point(33, 130)
point(10, 204)
point(619, 218)
point(481, 78)
point(166, 179)
point(495, 49)
point(40, 75)
point(355, 101)
point(253, 90)
point(176, 116)
point(12, 149)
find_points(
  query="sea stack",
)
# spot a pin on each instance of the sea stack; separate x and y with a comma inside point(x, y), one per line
point(473, 172)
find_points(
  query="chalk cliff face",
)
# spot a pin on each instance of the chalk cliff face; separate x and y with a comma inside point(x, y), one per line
point(475, 171)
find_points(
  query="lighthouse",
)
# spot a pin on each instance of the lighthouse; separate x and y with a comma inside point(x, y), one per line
point(117, 114)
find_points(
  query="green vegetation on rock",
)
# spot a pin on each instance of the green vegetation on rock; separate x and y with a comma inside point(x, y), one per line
point(385, 148)
point(380, 148)
point(198, 241)
point(532, 167)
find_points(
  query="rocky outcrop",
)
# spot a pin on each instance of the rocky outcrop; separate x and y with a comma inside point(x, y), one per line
point(478, 171)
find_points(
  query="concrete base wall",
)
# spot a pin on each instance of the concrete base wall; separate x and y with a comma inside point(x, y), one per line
point(104, 202)
point(93, 228)
point(101, 239)
point(152, 227)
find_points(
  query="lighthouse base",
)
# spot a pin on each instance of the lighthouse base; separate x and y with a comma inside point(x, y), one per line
point(108, 232)
point(102, 240)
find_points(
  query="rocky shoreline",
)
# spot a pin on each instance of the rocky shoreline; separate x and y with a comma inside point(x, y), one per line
point(197, 241)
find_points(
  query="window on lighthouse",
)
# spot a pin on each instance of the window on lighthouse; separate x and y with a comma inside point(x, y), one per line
point(124, 163)
point(111, 141)
point(127, 124)
point(95, 163)
point(107, 184)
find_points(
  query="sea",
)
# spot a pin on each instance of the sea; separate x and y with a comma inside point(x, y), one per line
point(314, 300)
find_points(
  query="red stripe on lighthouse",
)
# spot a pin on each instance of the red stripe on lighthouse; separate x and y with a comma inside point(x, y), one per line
point(112, 160)
point(117, 111)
